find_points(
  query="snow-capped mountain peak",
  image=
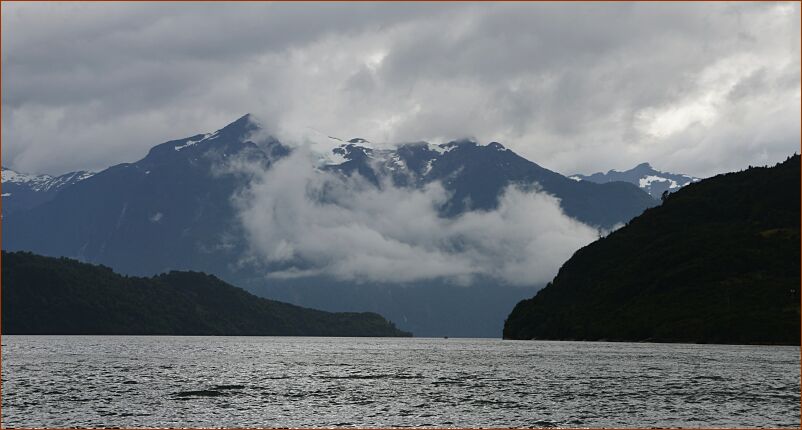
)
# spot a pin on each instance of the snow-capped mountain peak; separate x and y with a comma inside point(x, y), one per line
point(24, 190)
point(44, 182)
point(644, 176)
point(10, 176)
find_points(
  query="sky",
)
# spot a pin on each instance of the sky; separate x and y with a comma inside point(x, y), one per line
point(578, 88)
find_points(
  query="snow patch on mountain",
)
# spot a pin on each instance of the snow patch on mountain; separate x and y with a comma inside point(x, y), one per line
point(43, 183)
point(9, 175)
point(647, 181)
point(428, 167)
point(645, 177)
point(396, 162)
point(191, 142)
point(437, 148)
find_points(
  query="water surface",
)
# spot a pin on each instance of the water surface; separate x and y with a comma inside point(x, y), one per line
point(149, 381)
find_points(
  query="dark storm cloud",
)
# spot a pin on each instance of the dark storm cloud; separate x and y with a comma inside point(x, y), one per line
point(695, 88)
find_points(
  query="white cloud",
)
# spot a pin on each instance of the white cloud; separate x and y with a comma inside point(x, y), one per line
point(575, 87)
point(309, 222)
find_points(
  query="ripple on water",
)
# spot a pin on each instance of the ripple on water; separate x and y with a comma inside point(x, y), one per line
point(200, 393)
point(52, 381)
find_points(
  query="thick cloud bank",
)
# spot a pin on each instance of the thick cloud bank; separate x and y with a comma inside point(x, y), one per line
point(692, 87)
point(311, 222)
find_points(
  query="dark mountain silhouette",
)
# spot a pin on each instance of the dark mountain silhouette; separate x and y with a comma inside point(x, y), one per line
point(44, 295)
point(717, 262)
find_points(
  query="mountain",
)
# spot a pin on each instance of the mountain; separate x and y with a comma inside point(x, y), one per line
point(717, 262)
point(23, 191)
point(173, 210)
point(170, 210)
point(645, 177)
point(477, 174)
point(43, 295)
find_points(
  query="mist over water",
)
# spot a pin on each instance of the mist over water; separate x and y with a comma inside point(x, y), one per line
point(118, 381)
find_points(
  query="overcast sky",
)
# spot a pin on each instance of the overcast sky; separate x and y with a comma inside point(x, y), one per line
point(577, 88)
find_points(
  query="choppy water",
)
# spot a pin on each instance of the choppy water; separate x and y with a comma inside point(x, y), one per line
point(99, 381)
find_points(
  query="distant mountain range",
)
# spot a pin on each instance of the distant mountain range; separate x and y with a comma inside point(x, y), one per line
point(645, 177)
point(717, 262)
point(476, 175)
point(173, 210)
point(44, 295)
point(22, 191)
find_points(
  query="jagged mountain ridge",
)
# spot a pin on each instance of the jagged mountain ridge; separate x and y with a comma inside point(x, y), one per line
point(172, 210)
point(23, 191)
point(645, 177)
point(178, 191)
point(169, 210)
point(476, 175)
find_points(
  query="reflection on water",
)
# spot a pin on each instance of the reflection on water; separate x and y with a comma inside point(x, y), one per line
point(118, 381)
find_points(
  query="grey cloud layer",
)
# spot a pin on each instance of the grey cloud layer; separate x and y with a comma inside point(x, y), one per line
point(309, 222)
point(695, 88)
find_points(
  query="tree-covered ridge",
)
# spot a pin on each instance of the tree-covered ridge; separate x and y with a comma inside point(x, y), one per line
point(43, 295)
point(717, 262)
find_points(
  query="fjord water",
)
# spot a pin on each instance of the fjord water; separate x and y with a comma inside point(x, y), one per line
point(148, 381)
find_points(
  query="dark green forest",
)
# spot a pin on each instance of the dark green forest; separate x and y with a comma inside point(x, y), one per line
point(44, 295)
point(717, 262)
